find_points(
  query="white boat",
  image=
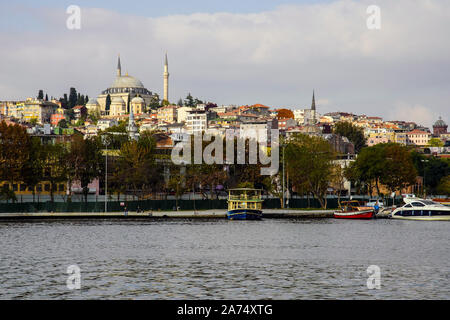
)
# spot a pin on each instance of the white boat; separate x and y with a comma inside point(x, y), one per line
point(421, 209)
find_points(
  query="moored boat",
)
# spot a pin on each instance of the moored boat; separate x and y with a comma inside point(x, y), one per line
point(422, 209)
point(354, 210)
point(244, 204)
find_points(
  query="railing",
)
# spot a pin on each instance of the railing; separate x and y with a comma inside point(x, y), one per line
point(243, 197)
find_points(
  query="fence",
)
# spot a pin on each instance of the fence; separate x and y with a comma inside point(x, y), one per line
point(165, 205)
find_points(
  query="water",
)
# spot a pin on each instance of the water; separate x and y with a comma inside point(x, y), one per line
point(220, 259)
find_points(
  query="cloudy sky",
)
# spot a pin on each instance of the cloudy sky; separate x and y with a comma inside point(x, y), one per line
point(272, 52)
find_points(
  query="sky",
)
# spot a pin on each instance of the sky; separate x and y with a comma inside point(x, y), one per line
point(274, 52)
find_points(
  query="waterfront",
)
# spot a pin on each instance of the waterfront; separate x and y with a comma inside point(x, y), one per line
point(220, 259)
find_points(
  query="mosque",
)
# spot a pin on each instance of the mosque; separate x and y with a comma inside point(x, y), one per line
point(127, 92)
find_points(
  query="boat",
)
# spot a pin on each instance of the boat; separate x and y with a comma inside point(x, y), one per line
point(354, 210)
point(421, 209)
point(244, 204)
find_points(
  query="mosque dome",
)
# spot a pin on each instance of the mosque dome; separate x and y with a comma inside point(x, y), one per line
point(440, 123)
point(127, 82)
point(137, 100)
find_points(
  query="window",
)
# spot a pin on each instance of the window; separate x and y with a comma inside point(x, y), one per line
point(39, 187)
point(23, 187)
point(61, 187)
point(14, 186)
point(418, 204)
point(406, 213)
point(408, 205)
point(47, 187)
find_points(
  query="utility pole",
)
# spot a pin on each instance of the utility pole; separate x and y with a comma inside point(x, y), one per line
point(424, 190)
point(106, 142)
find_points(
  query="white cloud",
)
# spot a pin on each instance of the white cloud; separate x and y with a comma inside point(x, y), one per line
point(274, 57)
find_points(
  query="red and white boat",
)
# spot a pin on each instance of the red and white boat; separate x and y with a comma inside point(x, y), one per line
point(354, 210)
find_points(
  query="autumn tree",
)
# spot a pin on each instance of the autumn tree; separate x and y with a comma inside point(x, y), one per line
point(285, 113)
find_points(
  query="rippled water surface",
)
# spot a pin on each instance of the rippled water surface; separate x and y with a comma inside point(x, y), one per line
point(219, 259)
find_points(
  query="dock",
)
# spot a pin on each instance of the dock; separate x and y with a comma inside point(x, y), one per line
point(184, 214)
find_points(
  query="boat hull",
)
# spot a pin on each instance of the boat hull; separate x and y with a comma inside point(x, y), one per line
point(244, 214)
point(363, 214)
point(424, 218)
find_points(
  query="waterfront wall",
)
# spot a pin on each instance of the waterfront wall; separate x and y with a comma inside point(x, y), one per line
point(156, 205)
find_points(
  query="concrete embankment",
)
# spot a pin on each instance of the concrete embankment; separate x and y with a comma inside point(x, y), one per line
point(218, 213)
point(188, 214)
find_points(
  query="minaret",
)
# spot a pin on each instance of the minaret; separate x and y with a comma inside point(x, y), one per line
point(313, 109)
point(166, 79)
point(119, 68)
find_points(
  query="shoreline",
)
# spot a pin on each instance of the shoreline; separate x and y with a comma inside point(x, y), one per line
point(186, 214)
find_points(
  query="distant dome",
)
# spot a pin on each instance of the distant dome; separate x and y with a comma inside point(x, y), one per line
point(137, 100)
point(440, 123)
point(127, 82)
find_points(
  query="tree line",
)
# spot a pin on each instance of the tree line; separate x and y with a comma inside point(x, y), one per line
point(143, 170)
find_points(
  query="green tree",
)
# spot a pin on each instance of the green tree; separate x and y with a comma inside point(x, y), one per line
point(435, 142)
point(46, 97)
point(32, 171)
point(309, 162)
point(443, 187)
point(354, 133)
point(86, 161)
point(180, 102)
point(189, 101)
point(52, 160)
point(73, 97)
point(40, 95)
point(108, 102)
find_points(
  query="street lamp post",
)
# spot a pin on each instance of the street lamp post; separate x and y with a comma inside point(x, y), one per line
point(106, 142)
point(424, 190)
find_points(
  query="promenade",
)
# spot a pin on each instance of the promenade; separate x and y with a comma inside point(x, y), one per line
point(184, 214)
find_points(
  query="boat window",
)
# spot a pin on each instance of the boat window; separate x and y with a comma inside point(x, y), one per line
point(428, 202)
point(418, 204)
point(408, 205)
point(406, 213)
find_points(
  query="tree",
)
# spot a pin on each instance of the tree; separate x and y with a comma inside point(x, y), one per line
point(353, 133)
point(73, 97)
point(285, 113)
point(180, 102)
point(399, 169)
point(443, 187)
point(40, 95)
point(435, 142)
point(14, 152)
point(108, 102)
point(53, 158)
point(137, 168)
point(62, 123)
point(189, 101)
point(32, 171)
point(309, 162)
point(86, 161)
point(165, 103)
point(46, 97)
point(390, 164)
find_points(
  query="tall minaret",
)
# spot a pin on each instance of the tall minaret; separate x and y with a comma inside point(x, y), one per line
point(119, 68)
point(166, 79)
point(132, 128)
point(313, 109)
